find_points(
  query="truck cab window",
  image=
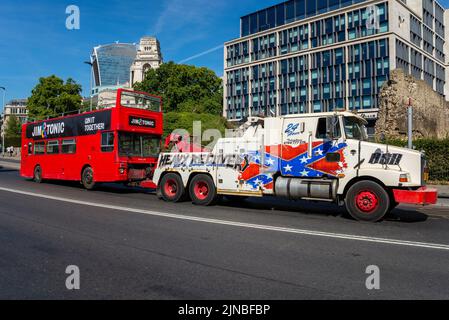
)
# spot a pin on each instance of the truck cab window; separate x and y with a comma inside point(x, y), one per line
point(355, 129)
point(321, 132)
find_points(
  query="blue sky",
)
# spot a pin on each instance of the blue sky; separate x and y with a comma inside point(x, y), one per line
point(34, 41)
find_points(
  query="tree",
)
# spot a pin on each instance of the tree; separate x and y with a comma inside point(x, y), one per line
point(13, 127)
point(52, 97)
point(184, 120)
point(185, 88)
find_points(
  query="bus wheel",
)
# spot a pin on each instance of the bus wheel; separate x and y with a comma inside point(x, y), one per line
point(87, 178)
point(367, 201)
point(202, 190)
point(171, 188)
point(37, 176)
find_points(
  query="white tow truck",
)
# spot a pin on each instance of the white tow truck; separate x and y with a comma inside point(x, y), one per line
point(318, 157)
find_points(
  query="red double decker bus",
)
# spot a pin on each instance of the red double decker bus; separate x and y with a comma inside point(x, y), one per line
point(114, 144)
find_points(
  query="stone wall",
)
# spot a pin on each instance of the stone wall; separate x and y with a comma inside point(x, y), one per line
point(430, 110)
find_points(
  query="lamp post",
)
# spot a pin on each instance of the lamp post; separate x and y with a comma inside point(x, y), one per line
point(3, 122)
point(91, 75)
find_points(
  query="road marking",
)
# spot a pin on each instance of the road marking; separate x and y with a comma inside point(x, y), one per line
point(237, 224)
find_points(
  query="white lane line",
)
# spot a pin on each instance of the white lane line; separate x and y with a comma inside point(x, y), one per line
point(237, 224)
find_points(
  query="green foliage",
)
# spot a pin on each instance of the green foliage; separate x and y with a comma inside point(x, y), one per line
point(13, 127)
point(52, 97)
point(185, 88)
point(436, 153)
point(16, 142)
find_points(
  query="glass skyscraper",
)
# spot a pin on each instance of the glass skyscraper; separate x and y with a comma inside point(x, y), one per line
point(112, 63)
point(305, 56)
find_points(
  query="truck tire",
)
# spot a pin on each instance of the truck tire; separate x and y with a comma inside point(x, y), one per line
point(171, 188)
point(87, 178)
point(367, 201)
point(202, 190)
point(37, 175)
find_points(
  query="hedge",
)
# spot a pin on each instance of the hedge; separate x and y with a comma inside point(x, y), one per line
point(437, 154)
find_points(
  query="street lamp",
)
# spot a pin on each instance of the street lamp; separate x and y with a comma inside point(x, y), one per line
point(3, 122)
point(91, 76)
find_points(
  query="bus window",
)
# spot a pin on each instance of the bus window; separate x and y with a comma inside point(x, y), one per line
point(140, 101)
point(138, 145)
point(107, 142)
point(69, 146)
point(39, 148)
point(30, 148)
point(53, 147)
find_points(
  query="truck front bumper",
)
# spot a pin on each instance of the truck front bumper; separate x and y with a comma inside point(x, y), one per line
point(423, 196)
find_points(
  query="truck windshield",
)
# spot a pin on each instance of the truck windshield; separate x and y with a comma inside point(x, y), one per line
point(139, 145)
point(355, 129)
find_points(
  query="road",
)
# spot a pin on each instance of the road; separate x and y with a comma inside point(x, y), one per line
point(128, 244)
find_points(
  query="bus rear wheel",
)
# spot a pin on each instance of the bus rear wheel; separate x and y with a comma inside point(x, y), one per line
point(202, 190)
point(37, 176)
point(367, 201)
point(87, 178)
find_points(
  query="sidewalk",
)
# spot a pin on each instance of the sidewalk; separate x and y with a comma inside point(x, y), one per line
point(9, 162)
point(443, 191)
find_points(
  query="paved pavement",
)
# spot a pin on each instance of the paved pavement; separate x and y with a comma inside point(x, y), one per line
point(129, 244)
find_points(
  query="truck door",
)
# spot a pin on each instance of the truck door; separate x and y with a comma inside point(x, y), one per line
point(326, 156)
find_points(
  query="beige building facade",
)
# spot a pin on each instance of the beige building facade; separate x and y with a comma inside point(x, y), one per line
point(148, 57)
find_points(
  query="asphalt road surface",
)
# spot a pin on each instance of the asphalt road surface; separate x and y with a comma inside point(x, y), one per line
point(128, 244)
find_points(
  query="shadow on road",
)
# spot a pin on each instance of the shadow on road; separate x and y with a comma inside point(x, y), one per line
point(318, 208)
point(290, 207)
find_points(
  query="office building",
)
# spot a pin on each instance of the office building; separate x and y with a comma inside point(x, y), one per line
point(304, 56)
point(111, 64)
point(17, 108)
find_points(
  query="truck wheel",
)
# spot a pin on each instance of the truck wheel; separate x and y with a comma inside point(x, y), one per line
point(87, 178)
point(37, 176)
point(367, 201)
point(202, 190)
point(171, 188)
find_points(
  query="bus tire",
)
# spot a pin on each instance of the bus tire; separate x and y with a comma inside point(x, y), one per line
point(367, 201)
point(37, 175)
point(87, 178)
point(202, 190)
point(171, 188)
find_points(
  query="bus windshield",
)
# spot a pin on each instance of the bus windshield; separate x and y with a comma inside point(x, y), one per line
point(355, 129)
point(140, 101)
point(139, 145)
